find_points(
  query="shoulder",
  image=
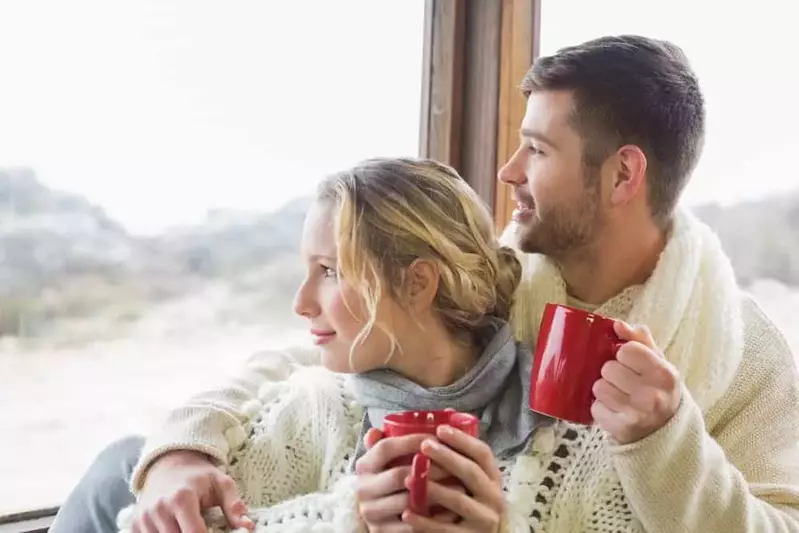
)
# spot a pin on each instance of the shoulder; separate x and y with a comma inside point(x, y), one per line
point(309, 399)
point(312, 404)
point(767, 355)
point(761, 334)
point(312, 390)
point(767, 376)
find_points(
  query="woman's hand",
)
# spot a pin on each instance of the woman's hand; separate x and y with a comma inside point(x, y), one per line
point(381, 492)
point(471, 461)
point(179, 485)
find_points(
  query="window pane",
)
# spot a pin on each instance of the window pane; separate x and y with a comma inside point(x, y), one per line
point(153, 153)
point(745, 58)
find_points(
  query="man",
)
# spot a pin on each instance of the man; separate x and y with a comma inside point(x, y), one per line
point(698, 422)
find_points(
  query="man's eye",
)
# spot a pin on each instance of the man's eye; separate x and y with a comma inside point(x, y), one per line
point(533, 149)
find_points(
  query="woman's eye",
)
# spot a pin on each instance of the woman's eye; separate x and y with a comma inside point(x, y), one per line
point(328, 272)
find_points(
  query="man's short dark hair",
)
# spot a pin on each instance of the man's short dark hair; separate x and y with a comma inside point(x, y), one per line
point(630, 89)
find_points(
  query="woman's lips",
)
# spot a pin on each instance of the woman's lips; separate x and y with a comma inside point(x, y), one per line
point(322, 336)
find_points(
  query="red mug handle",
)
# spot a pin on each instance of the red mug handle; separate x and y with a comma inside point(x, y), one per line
point(420, 471)
point(617, 346)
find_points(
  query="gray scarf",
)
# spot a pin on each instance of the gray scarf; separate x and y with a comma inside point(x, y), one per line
point(496, 390)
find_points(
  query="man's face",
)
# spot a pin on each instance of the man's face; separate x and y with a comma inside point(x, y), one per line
point(558, 211)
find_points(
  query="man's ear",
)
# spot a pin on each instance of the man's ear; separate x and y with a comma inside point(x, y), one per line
point(629, 174)
point(421, 282)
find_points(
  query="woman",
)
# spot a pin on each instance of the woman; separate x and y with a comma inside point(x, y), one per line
point(408, 294)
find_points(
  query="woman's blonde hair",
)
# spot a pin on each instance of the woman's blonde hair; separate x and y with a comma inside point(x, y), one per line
point(392, 212)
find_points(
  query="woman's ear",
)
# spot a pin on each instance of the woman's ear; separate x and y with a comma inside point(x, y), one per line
point(422, 280)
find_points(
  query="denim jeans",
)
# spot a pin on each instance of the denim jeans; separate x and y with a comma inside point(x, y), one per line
point(102, 492)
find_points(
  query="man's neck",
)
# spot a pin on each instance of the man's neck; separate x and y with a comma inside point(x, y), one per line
point(615, 261)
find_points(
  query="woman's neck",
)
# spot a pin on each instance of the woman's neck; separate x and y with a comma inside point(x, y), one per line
point(434, 356)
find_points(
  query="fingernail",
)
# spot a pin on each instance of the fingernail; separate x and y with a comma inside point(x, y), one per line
point(446, 430)
point(240, 506)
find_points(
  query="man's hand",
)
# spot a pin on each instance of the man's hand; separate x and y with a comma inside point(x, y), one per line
point(179, 485)
point(639, 391)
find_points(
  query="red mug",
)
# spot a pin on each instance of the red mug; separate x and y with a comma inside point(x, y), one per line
point(572, 347)
point(426, 422)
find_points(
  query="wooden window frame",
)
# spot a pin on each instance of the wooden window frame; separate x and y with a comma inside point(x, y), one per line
point(475, 55)
point(35, 521)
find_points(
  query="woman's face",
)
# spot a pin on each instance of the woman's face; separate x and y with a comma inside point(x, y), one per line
point(334, 308)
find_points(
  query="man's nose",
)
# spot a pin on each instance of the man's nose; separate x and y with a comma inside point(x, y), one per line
point(513, 172)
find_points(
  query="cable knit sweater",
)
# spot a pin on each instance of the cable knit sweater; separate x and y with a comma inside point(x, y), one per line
point(726, 461)
point(737, 470)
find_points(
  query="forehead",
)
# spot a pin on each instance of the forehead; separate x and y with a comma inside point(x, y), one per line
point(549, 113)
point(317, 233)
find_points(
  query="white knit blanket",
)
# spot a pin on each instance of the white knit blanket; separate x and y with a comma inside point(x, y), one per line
point(691, 303)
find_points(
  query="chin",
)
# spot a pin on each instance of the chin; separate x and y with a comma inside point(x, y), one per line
point(336, 360)
point(525, 239)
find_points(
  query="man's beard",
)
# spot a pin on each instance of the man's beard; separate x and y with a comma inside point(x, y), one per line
point(564, 230)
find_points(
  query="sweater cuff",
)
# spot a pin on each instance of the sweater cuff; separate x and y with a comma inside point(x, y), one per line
point(641, 457)
point(211, 436)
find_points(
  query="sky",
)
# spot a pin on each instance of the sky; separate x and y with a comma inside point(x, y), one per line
point(159, 110)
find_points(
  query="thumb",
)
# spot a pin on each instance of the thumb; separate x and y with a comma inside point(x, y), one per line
point(372, 437)
point(232, 505)
point(639, 333)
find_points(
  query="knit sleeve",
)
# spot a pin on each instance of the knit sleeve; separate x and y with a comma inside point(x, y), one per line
point(740, 471)
point(291, 457)
point(204, 423)
point(333, 511)
point(336, 512)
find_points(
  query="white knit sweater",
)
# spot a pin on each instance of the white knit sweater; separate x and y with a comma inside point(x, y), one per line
point(292, 456)
point(737, 470)
point(728, 461)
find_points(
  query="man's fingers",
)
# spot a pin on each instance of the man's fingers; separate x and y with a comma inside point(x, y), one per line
point(627, 332)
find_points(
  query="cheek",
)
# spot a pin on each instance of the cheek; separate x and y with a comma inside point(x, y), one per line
point(541, 172)
point(552, 181)
point(541, 179)
point(346, 312)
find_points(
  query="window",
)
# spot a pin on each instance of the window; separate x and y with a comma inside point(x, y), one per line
point(155, 156)
point(746, 184)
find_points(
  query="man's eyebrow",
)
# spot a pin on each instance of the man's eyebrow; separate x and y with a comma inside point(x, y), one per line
point(533, 134)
